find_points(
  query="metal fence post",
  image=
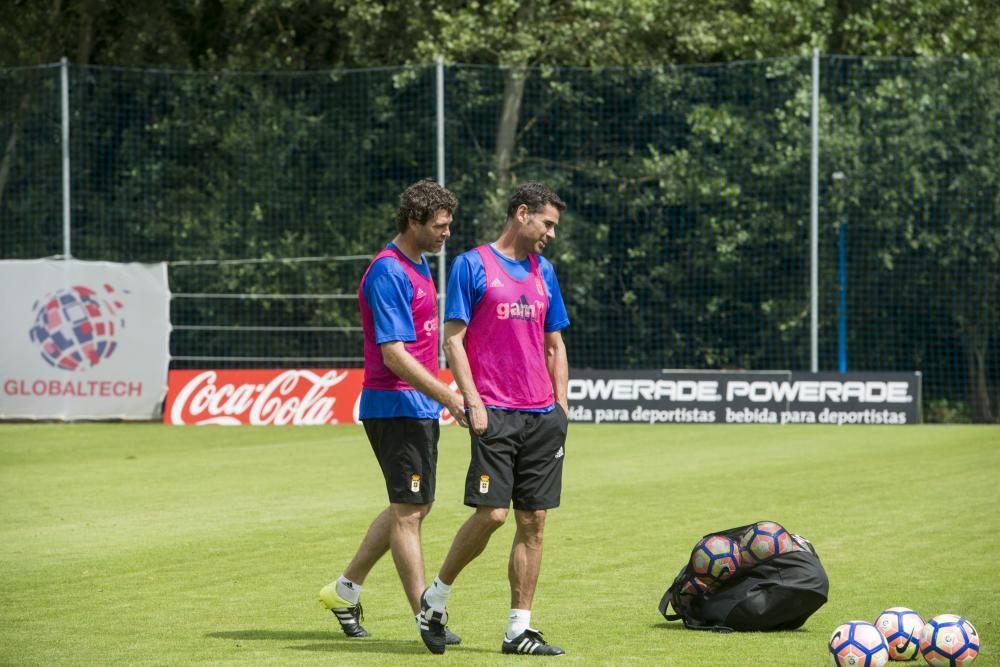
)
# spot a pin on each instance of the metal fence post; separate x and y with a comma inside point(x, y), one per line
point(840, 184)
point(64, 94)
point(442, 287)
point(814, 222)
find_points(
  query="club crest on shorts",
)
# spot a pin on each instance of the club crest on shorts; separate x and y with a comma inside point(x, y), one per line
point(415, 483)
point(484, 484)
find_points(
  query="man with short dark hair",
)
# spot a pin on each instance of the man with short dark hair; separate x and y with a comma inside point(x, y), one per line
point(401, 397)
point(503, 317)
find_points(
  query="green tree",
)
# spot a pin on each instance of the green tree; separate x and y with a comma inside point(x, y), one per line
point(918, 141)
point(688, 223)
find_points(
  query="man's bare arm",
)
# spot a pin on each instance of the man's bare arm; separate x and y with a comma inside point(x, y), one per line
point(557, 364)
point(458, 361)
point(403, 364)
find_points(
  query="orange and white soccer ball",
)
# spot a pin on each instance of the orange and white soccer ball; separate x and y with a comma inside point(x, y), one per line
point(858, 644)
point(716, 558)
point(948, 640)
point(764, 540)
point(901, 628)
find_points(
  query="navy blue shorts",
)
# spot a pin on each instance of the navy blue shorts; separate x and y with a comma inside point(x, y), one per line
point(519, 459)
point(407, 452)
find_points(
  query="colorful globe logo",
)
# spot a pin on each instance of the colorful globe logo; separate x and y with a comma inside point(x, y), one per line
point(76, 327)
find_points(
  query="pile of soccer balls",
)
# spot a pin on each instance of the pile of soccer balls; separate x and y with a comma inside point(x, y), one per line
point(717, 558)
point(899, 634)
point(947, 640)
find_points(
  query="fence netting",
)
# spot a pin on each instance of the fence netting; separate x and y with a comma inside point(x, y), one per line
point(686, 243)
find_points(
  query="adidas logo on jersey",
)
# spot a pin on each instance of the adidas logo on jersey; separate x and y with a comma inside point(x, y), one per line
point(496, 283)
point(560, 453)
point(421, 293)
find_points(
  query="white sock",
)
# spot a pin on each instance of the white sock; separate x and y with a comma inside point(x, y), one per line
point(348, 590)
point(437, 594)
point(517, 622)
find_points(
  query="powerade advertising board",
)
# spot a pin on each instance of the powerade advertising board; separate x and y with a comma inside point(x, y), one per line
point(734, 397)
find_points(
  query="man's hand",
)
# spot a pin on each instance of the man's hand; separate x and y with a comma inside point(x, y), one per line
point(456, 406)
point(478, 419)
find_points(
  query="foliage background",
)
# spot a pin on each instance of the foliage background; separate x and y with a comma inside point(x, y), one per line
point(677, 130)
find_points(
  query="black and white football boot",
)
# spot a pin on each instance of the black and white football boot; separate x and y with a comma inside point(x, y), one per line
point(529, 642)
point(432, 626)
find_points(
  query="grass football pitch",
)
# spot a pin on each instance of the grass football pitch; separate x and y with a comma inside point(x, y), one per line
point(145, 544)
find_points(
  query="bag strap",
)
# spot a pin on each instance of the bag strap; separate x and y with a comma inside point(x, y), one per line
point(666, 602)
point(721, 629)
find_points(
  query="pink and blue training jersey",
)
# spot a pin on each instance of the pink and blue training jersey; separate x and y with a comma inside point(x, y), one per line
point(508, 307)
point(398, 302)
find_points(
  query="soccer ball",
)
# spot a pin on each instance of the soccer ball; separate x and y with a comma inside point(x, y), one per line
point(901, 628)
point(694, 586)
point(715, 558)
point(763, 540)
point(950, 640)
point(858, 644)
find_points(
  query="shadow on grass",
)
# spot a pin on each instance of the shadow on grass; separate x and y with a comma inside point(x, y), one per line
point(677, 625)
point(286, 635)
point(370, 645)
point(668, 626)
point(336, 644)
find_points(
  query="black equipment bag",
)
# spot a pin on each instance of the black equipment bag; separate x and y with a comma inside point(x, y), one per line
point(780, 593)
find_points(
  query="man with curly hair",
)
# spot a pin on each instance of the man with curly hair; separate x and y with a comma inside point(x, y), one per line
point(401, 397)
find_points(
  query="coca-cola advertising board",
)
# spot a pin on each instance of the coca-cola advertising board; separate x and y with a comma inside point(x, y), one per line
point(272, 397)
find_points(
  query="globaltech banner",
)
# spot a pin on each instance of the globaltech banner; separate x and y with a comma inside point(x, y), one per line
point(722, 397)
point(83, 340)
